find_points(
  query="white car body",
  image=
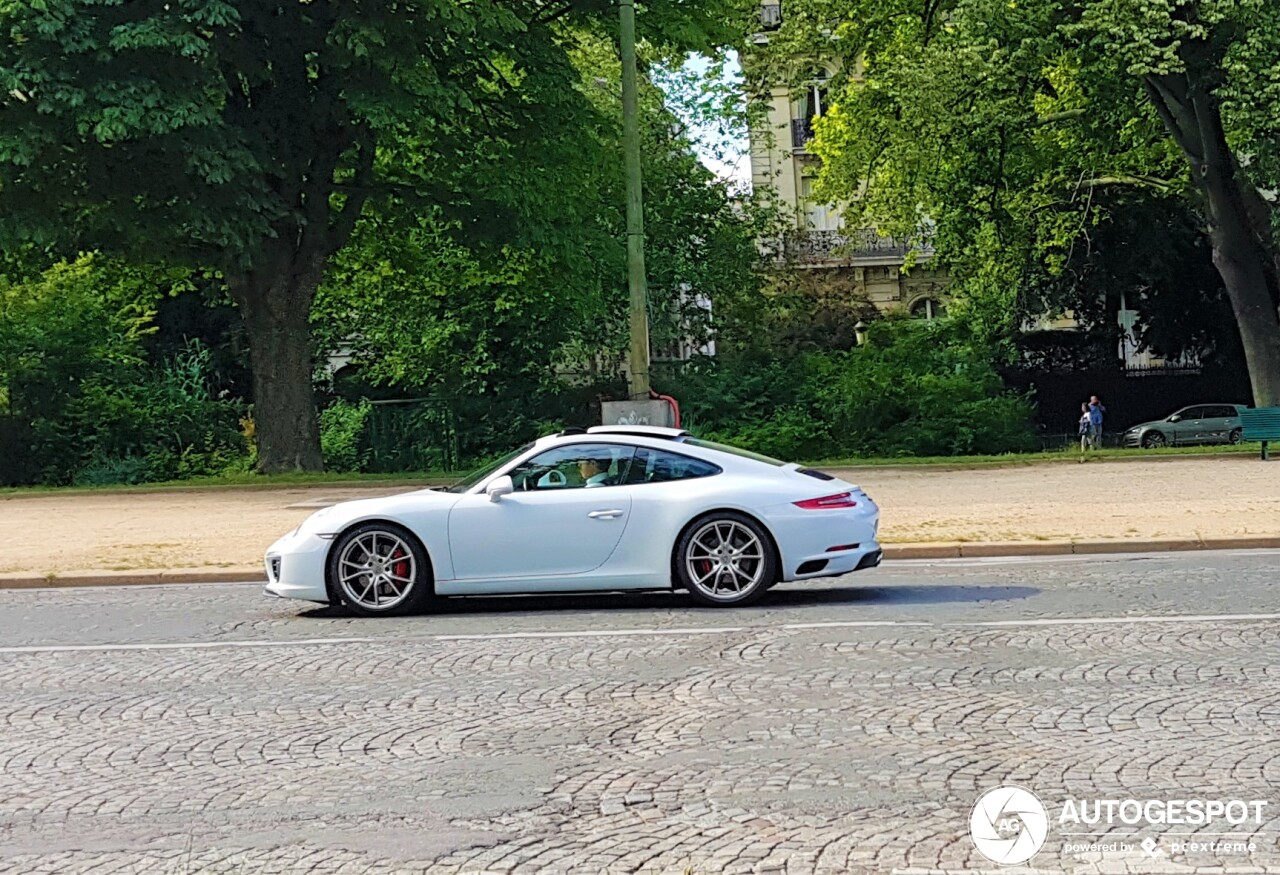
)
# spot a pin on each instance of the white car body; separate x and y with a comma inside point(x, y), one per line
point(610, 538)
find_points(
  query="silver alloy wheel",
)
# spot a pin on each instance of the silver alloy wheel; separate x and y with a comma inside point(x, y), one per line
point(724, 559)
point(376, 570)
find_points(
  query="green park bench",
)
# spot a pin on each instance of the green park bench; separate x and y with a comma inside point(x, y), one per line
point(1261, 424)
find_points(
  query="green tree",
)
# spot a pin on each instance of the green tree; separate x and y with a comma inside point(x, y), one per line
point(429, 308)
point(248, 137)
point(1001, 123)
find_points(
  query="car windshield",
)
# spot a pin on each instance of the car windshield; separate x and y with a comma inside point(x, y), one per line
point(733, 451)
point(481, 473)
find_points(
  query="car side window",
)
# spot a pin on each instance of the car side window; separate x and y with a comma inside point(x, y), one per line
point(1222, 412)
point(1193, 413)
point(660, 466)
point(573, 466)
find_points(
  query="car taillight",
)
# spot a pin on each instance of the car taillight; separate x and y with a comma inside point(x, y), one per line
point(827, 502)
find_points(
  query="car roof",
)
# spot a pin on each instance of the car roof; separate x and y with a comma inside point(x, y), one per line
point(634, 431)
point(639, 430)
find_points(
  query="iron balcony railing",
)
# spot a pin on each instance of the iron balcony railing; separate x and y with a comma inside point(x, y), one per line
point(801, 132)
point(843, 247)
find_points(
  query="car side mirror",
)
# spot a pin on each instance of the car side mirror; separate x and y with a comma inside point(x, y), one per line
point(1175, 418)
point(499, 487)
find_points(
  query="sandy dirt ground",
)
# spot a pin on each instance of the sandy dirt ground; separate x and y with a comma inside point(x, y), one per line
point(1182, 498)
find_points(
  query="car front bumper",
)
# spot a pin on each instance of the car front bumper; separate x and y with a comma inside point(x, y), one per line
point(295, 567)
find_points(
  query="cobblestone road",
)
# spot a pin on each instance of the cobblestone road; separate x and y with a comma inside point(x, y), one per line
point(847, 728)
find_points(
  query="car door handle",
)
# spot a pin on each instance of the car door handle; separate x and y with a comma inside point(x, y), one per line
point(604, 514)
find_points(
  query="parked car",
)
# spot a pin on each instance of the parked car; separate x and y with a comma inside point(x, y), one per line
point(602, 509)
point(1197, 424)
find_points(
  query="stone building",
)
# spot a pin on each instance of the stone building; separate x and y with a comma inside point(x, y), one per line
point(869, 265)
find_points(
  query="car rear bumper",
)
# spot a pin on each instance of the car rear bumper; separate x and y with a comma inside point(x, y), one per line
point(828, 564)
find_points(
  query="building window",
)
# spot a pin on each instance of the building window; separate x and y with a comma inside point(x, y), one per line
point(928, 308)
point(771, 15)
point(811, 104)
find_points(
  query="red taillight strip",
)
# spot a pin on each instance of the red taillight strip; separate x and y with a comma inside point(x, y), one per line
point(843, 547)
point(827, 502)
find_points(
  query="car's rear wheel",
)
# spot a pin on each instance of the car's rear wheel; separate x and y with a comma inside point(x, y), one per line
point(725, 558)
point(1235, 436)
point(379, 569)
point(1153, 439)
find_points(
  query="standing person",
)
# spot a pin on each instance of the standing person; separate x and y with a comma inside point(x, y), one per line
point(1086, 428)
point(1095, 421)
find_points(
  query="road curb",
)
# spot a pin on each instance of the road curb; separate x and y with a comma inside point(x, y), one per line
point(976, 549)
point(948, 550)
point(134, 578)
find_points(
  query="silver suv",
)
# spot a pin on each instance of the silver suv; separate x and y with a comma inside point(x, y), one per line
point(1197, 424)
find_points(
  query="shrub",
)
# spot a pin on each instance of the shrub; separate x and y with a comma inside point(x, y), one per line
point(164, 425)
point(82, 404)
point(915, 389)
point(342, 442)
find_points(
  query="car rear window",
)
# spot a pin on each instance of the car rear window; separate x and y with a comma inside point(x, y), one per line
point(733, 451)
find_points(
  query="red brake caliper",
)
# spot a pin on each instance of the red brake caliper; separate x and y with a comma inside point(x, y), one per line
point(401, 567)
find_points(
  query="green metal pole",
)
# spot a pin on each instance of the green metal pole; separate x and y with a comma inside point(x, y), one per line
point(639, 359)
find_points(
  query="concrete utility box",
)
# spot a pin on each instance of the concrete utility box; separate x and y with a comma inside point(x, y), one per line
point(637, 413)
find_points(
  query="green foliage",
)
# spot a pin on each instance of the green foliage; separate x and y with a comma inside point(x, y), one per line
point(249, 137)
point(922, 388)
point(342, 437)
point(1013, 132)
point(79, 401)
point(511, 330)
point(915, 388)
point(161, 424)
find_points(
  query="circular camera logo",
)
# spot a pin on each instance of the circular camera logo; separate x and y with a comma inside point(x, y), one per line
point(1008, 825)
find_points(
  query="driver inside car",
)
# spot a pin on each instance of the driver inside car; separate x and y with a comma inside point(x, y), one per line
point(595, 472)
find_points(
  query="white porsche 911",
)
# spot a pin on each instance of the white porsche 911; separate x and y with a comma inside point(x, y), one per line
point(602, 509)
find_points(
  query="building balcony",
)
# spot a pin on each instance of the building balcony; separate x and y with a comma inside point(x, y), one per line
point(801, 133)
point(834, 248)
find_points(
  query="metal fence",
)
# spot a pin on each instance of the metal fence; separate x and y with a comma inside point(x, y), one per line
point(412, 434)
point(1068, 441)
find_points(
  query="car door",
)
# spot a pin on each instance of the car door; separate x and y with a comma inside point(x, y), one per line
point(553, 524)
point(1218, 423)
point(1190, 427)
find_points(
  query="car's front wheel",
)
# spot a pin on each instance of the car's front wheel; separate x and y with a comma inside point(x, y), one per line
point(725, 558)
point(379, 569)
point(1153, 439)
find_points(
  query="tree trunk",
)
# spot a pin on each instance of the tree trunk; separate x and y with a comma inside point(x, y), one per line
point(276, 308)
point(1243, 269)
point(1241, 258)
point(1189, 107)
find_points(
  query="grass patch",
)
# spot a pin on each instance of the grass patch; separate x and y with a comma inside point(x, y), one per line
point(241, 480)
point(1012, 459)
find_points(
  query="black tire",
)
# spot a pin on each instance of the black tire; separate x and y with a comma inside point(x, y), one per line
point(1154, 439)
point(728, 571)
point(1235, 436)
point(402, 559)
